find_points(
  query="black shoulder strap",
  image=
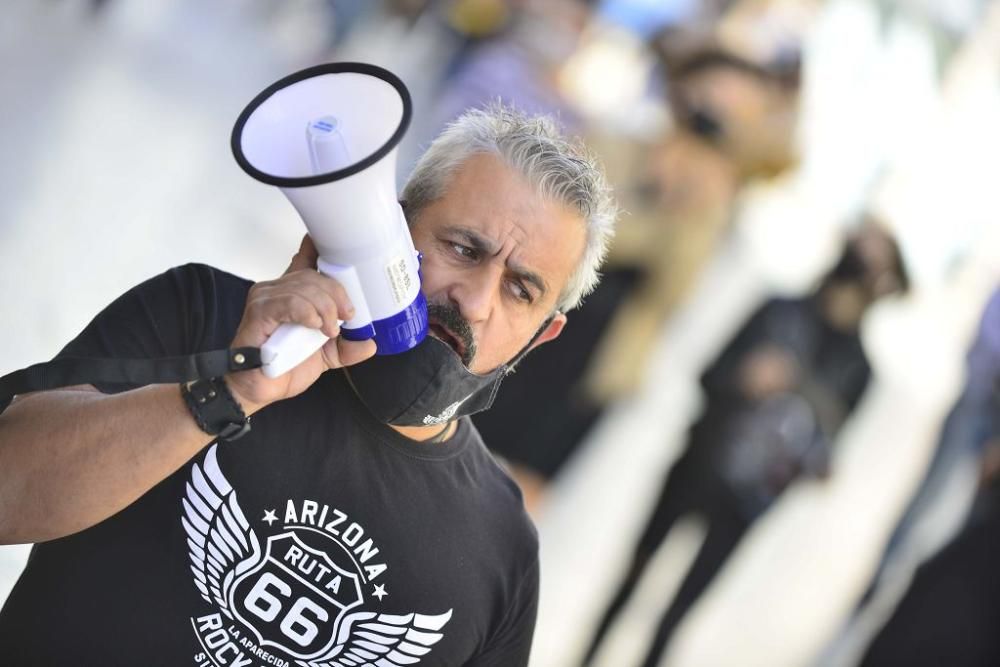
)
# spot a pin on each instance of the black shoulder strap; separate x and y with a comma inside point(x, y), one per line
point(69, 371)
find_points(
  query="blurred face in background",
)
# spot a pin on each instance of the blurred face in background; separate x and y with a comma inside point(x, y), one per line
point(748, 116)
point(683, 175)
point(870, 268)
point(551, 29)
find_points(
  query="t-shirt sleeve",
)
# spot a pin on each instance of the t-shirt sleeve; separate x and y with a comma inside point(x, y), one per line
point(511, 645)
point(176, 313)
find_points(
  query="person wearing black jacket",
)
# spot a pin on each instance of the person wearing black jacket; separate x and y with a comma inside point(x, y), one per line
point(775, 399)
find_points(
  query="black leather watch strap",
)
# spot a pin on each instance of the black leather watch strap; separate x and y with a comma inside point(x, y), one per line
point(214, 409)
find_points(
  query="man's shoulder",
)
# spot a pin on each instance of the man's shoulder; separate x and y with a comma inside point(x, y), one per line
point(193, 283)
point(207, 294)
point(185, 309)
point(207, 276)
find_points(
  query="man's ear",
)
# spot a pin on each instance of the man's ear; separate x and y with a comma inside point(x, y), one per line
point(551, 330)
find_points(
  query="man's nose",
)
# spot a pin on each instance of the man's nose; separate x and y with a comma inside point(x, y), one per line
point(475, 293)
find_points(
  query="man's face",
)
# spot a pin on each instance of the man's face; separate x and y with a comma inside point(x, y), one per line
point(496, 257)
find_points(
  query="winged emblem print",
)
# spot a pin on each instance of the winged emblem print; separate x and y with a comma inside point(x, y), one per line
point(222, 547)
point(382, 640)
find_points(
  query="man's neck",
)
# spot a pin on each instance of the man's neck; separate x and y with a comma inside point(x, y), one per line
point(429, 434)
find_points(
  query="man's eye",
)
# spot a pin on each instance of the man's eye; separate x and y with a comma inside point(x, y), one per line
point(464, 251)
point(520, 292)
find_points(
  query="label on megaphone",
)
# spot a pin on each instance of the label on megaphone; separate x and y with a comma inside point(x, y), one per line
point(401, 280)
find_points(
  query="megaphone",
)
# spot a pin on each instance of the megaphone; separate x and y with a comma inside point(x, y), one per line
point(327, 136)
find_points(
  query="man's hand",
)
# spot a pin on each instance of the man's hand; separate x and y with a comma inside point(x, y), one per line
point(301, 296)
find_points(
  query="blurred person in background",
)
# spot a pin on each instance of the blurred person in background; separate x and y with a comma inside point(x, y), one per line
point(456, 55)
point(516, 62)
point(951, 611)
point(379, 512)
point(734, 124)
point(774, 399)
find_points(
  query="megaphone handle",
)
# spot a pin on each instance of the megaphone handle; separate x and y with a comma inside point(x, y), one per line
point(347, 276)
point(289, 346)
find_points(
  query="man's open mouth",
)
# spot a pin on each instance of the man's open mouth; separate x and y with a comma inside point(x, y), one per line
point(442, 333)
point(446, 323)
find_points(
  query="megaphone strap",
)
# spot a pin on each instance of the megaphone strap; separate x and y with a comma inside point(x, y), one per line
point(70, 371)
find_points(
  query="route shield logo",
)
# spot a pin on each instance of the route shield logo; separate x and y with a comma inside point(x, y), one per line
point(292, 570)
point(311, 595)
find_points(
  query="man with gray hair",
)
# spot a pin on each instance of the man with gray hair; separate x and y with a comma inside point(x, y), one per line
point(361, 520)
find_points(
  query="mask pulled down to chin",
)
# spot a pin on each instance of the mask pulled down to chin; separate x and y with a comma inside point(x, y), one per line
point(425, 386)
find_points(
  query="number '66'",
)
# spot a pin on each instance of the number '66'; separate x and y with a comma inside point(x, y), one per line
point(262, 602)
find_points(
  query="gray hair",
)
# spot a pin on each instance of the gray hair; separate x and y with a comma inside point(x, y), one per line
point(558, 169)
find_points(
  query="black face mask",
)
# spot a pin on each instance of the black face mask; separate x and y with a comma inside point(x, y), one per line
point(428, 385)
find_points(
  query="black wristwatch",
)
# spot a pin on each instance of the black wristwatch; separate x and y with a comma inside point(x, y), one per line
point(214, 409)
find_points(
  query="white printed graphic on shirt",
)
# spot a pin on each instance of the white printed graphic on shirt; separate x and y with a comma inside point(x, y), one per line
point(300, 597)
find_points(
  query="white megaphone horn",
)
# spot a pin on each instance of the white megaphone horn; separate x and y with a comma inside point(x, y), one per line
point(327, 136)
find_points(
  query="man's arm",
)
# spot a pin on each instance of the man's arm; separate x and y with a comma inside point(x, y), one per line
point(71, 458)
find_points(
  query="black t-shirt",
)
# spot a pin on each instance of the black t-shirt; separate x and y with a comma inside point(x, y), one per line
point(321, 538)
